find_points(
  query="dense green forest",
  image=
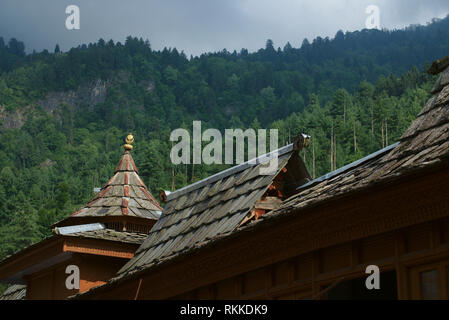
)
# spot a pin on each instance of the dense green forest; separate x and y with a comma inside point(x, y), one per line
point(356, 92)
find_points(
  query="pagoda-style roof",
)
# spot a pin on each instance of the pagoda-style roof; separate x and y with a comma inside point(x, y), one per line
point(124, 195)
point(112, 225)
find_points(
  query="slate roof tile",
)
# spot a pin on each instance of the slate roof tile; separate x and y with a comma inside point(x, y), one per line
point(14, 292)
point(424, 142)
point(110, 235)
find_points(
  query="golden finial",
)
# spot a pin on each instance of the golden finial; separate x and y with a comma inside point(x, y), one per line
point(129, 140)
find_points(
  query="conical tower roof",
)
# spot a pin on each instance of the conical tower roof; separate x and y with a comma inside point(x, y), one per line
point(124, 195)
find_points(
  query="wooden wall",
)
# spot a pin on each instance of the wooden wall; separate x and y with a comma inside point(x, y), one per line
point(94, 270)
point(401, 226)
point(50, 284)
point(406, 251)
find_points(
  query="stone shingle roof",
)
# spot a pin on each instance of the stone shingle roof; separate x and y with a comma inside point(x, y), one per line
point(111, 235)
point(124, 194)
point(14, 292)
point(211, 207)
point(424, 143)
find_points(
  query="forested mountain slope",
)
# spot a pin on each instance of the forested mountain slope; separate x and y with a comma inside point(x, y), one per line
point(64, 114)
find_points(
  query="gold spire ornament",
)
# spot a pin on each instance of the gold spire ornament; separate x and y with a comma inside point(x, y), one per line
point(129, 140)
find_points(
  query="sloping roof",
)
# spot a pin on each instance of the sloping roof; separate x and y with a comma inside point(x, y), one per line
point(124, 194)
point(206, 209)
point(424, 143)
point(349, 167)
point(100, 232)
point(115, 239)
point(111, 235)
point(103, 234)
point(14, 292)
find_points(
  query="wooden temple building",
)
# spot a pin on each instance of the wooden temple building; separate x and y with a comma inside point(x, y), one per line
point(99, 239)
point(244, 233)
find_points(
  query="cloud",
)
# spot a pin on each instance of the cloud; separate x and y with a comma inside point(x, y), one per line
point(198, 26)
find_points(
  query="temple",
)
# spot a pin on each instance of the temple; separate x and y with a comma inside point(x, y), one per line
point(387, 212)
point(98, 239)
point(246, 234)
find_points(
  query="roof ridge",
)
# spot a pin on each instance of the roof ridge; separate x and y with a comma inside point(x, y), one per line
point(349, 166)
point(126, 163)
point(154, 230)
point(232, 170)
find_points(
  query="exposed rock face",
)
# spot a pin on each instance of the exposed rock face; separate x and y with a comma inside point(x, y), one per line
point(12, 119)
point(90, 95)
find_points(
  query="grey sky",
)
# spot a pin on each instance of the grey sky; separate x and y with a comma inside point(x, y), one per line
point(198, 26)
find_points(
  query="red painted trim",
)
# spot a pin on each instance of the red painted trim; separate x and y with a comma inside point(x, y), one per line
point(141, 182)
point(138, 289)
point(119, 166)
point(134, 165)
point(104, 192)
point(151, 198)
point(76, 212)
